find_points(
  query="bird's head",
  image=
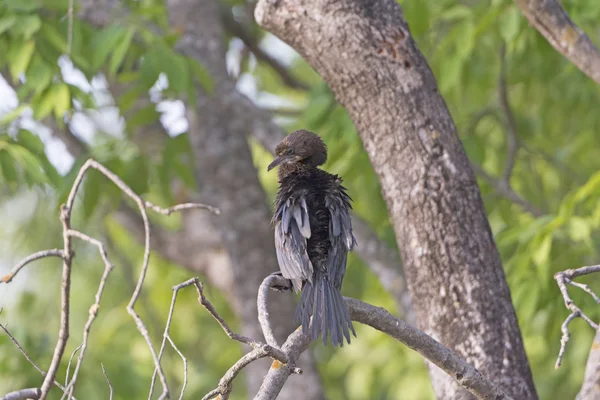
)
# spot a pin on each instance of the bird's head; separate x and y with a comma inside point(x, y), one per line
point(302, 148)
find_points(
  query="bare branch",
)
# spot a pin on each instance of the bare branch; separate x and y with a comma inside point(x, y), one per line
point(260, 350)
point(551, 20)
point(63, 333)
point(563, 279)
point(69, 364)
point(108, 267)
point(67, 255)
point(20, 348)
point(35, 256)
point(380, 319)
point(166, 336)
point(181, 207)
point(23, 394)
point(238, 30)
point(185, 365)
point(110, 388)
point(506, 191)
point(263, 312)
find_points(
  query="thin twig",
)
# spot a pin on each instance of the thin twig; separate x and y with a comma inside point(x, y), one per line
point(563, 279)
point(185, 365)
point(176, 290)
point(142, 204)
point(506, 191)
point(20, 348)
point(67, 255)
point(260, 350)
point(63, 333)
point(69, 364)
point(181, 207)
point(35, 256)
point(237, 29)
point(93, 312)
point(110, 388)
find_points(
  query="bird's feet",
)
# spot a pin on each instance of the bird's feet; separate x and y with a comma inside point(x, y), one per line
point(280, 284)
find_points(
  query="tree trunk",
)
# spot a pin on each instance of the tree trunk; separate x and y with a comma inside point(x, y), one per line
point(364, 51)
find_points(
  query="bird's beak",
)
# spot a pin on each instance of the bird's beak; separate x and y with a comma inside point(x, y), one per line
point(277, 161)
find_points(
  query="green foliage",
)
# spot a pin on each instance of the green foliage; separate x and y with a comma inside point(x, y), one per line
point(556, 170)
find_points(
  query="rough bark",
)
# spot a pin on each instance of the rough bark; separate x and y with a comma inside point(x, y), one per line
point(552, 22)
point(590, 390)
point(223, 157)
point(364, 51)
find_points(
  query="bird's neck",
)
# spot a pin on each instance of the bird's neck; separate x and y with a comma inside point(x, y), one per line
point(294, 169)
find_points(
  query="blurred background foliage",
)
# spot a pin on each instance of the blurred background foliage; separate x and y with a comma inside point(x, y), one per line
point(470, 45)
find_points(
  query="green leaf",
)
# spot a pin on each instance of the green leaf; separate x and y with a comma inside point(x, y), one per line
point(202, 75)
point(39, 74)
point(176, 69)
point(19, 58)
point(29, 162)
point(104, 42)
point(45, 104)
point(579, 229)
point(542, 253)
point(91, 192)
point(137, 174)
point(510, 24)
point(22, 5)
point(120, 51)
point(457, 11)
point(9, 172)
point(130, 97)
point(144, 116)
point(417, 15)
point(54, 37)
point(26, 26)
point(12, 115)
point(62, 103)
point(31, 142)
point(150, 68)
point(7, 22)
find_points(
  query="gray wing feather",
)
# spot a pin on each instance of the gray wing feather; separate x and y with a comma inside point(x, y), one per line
point(340, 235)
point(290, 241)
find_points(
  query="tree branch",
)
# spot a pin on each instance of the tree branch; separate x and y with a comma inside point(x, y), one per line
point(67, 256)
point(563, 279)
point(35, 256)
point(378, 318)
point(28, 358)
point(23, 394)
point(238, 30)
point(552, 22)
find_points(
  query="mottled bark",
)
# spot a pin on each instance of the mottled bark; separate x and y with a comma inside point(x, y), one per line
point(552, 22)
point(590, 390)
point(364, 51)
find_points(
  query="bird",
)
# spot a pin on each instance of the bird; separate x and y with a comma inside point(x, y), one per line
point(313, 235)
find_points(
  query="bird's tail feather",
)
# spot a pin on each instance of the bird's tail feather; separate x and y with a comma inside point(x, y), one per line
point(325, 303)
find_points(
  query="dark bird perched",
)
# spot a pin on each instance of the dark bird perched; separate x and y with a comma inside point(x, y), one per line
point(313, 234)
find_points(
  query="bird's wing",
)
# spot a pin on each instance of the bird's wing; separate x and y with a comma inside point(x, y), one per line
point(292, 229)
point(342, 240)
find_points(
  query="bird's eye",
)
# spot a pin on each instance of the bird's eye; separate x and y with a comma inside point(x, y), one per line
point(289, 152)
